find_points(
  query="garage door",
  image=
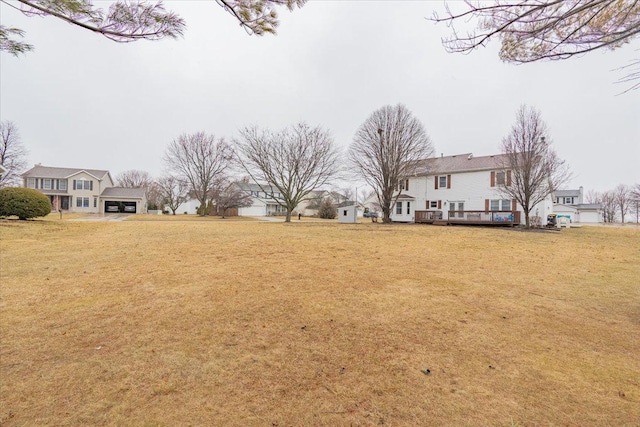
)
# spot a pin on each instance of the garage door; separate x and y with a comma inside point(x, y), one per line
point(112, 206)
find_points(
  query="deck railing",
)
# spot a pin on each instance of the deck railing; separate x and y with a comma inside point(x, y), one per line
point(470, 217)
point(427, 216)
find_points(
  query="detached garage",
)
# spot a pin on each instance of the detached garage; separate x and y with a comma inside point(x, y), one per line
point(123, 200)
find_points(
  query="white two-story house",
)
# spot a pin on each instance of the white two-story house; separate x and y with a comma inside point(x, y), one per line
point(462, 188)
point(263, 199)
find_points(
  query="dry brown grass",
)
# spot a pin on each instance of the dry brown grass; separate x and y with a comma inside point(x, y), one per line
point(269, 324)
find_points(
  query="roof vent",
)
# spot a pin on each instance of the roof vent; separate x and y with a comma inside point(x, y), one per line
point(470, 156)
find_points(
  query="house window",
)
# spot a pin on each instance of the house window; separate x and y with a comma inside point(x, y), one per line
point(399, 208)
point(82, 202)
point(408, 208)
point(568, 200)
point(82, 184)
point(506, 205)
point(495, 205)
point(31, 183)
point(62, 184)
point(95, 202)
point(442, 181)
point(433, 204)
point(46, 184)
point(501, 178)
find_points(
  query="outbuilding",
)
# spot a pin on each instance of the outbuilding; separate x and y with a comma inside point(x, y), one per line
point(348, 214)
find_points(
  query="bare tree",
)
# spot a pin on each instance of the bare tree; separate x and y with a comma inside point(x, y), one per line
point(13, 155)
point(199, 159)
point(609, 206)
point(386, 149)
point(536, 170)
point(295, 161)
point(229, 195)
point(635, 201)
point(173, 191)
point(533, 30)
point(127, 21)
point(592, 196)
point(134, 178)
point(622, 196)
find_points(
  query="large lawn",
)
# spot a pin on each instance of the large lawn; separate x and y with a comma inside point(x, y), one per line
point(232, 323)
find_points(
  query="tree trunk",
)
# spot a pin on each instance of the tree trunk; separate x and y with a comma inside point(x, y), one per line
point(526, 218)
point(386, 215)
point(288, 217)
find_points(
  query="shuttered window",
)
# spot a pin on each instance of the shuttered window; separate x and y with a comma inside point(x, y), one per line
point(443, 182)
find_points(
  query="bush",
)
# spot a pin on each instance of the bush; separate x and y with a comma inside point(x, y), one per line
point(327, 210)
point(24, 203)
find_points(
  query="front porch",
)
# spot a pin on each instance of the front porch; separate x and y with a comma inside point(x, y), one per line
point(493, 218)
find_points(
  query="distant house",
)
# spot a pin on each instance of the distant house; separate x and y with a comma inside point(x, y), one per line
point(84, 190)
point(462, 189)
point(266, 200)
point(311, 204)
point(570, 204)
point(190, 206)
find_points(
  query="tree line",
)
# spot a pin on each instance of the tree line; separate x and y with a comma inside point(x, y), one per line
point(289, 164)
point(619, 204)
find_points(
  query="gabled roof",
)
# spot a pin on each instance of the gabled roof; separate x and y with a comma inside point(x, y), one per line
point(567, 193)
point(404, 196)
point(466, 162)
point(39, 171)
point(251, 186)
point(589, 206)
point(123, 193)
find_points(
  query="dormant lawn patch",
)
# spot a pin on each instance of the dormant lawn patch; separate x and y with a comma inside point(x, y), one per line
point(253, 323)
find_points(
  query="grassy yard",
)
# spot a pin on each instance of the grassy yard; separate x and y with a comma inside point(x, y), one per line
point(248, 323)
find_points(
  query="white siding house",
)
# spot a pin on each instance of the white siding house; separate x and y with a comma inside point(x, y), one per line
point(570, 204)
point(265, 200)
point(462, 187)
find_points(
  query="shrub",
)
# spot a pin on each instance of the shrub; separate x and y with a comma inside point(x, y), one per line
point(24, 203)
point(327, 210)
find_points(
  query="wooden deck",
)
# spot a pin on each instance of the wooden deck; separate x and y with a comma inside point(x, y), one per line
point(490, 218)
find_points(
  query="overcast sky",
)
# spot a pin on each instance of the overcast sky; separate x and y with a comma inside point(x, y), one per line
point(80, 100)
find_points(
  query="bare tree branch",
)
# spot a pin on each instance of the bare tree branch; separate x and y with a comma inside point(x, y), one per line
point(622, 197)
point(534, 30)
point(536, 170)
point(258, 17)
point(200, 159)
point(127, 21)
point(386, 149)
point(295, 161)
point(173, 191)
point(228, 195)
point(13, 155)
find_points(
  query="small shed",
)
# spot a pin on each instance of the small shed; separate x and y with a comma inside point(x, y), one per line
point(348, 214)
